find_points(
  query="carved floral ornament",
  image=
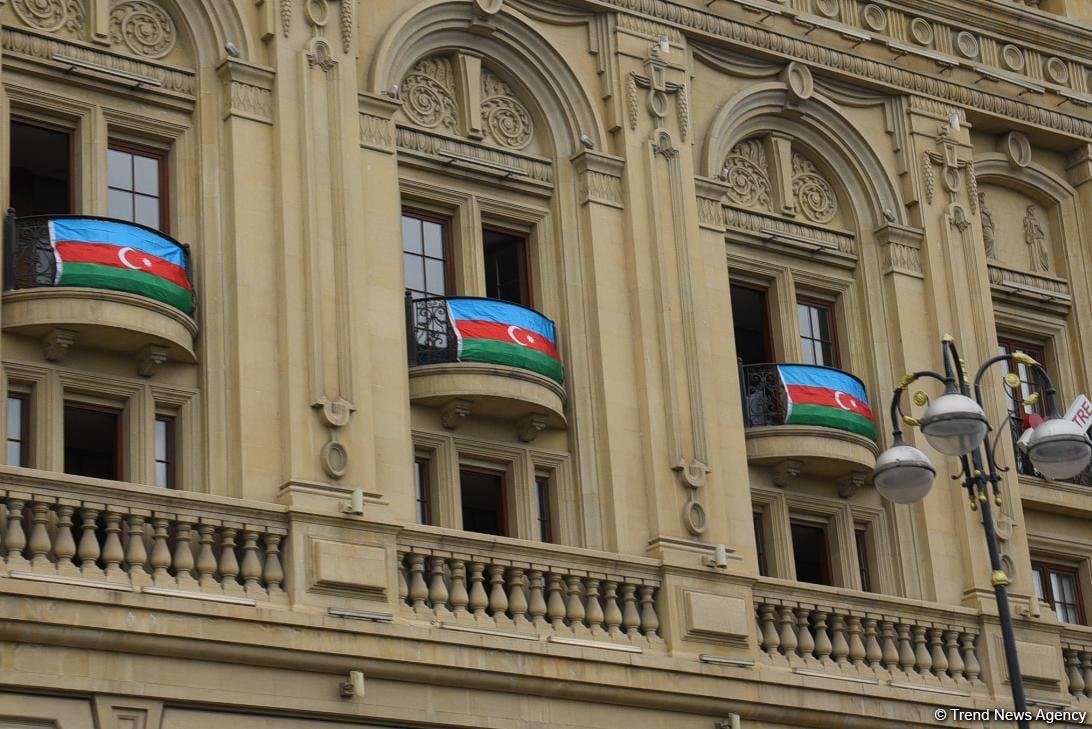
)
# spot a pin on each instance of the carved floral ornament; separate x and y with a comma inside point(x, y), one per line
point(140, 27)
point(746, 169)
point(50, 15)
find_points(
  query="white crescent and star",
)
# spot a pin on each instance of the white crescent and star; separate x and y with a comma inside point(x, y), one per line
point(146, 263)
point(515, 332)
point(838, 399)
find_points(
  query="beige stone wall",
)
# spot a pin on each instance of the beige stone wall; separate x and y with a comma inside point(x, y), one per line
point(653, 153)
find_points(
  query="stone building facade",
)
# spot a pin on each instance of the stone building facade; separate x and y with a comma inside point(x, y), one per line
point(211, 519)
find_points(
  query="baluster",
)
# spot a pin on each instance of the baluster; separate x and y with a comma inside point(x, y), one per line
point(64, 545)
point(136, 553)
point(437, 589)
point(112, 553)
point(839, 645)
point(229, 563)
point(955, 661)
point(517, 598)
point(273, 568)
point(650, 622)
point(498, 599)
point(923, 662)
point(88, 550)
point(936, 653)
point(873, 651)
point(767, 628)
point(251, 569)
point(160, 558)
point(403, 585)
point(459, 596)
point(890, 651)
point(418, 590)
point(206, 559)
point(39, 543)
point(631, 618)
point(906, 650)
point(478, 599)
point(612, 615)
point(536, 604)
point(15, 539)
point(1076, 679)
point(1086, 672)
point(856, 645)
point(574, 607)
point(805, 641)
point(823, 646)
point(182, 560)
point(594, 612)
point(971, 667)
point(789, 641)
point(555, 603)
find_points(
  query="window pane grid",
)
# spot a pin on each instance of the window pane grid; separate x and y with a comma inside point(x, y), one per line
point(18, 442)
point(1058, 587)
point(421, 491)
point(133, 188)
point(423, 256)
point(164, 452)
point(542, 493)
point(816, 334)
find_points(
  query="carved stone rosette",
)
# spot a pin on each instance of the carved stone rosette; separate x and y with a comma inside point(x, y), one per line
point(745, 172)
point(143, 27)
point(50, 15)
point(428, 93)
point(814, 196)
point(506, 121)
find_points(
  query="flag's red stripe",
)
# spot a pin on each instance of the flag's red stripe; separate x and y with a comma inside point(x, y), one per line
point(105, 254)
point(472, 329)
point(807, 395)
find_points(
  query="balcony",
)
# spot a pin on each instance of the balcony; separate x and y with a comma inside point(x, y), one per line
point(486, 357)
point(804, 419)
point(101, 283)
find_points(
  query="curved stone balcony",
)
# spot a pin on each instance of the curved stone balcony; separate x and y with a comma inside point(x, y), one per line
point(471, 356)
point(101, 283)
point(805, 419)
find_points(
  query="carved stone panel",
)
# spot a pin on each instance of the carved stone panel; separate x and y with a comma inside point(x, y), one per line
point(745, 171)
point(813, 195)
point(505, 120)
point(51, 15)
point(143, 28)
point(1018, 230)
point(428, 94)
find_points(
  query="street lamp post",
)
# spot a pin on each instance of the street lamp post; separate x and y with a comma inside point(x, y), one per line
point(956, 425)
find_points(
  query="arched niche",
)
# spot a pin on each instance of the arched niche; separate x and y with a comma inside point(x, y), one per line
point(516, 53)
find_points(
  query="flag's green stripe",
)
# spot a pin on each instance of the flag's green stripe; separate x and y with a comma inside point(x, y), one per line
point(829, 417)
point(94, 276)
point(515, 355)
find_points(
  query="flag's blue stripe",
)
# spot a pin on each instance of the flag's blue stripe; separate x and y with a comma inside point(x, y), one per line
point(89, 230)
point(501, 312)
point(823, 377)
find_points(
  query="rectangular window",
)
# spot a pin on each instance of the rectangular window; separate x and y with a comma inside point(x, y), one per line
point(40, 175)
point(1018, 407)
point(542, 496)
point(425, 255)
point(817, 342)
point(1057, 585)
point(751, 324)
point(92, 441)
point(506, 267)
point(421, 491)
point(164, 452)
point(811, 553)
point(483, 501)
point(137, 185)
point(760, 544)
point(18, 429)
point(863, 558)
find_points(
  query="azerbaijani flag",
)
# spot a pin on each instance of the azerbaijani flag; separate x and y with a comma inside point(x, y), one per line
point(826, 397)
point(502, 333)
point(110, 254)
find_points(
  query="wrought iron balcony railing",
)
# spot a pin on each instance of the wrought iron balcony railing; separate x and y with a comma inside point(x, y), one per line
point(791, 394)
point(429, 335)
point(96, 252)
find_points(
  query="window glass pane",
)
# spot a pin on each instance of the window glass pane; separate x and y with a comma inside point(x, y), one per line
point(411, 234)
point(750, 325)
point(420, 474)
point(119, 169)
point(545, 525)
point(809, 548)
point(15, 418)
point(807, 348)
point(803, 315)
point(119, 205)
point(434, 277)
point(1062, 585)
point(91, 446)
point(146, 175)
point(161, 440)
point(505, 267)
point(15, 453)
point(40, 173)
point(415, 274)
point(162, 477)
point(434, 239)
point(1037, 580)
point(146, 211)
point(483, 501)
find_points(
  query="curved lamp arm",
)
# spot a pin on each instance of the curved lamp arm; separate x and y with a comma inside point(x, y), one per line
point(896, 399)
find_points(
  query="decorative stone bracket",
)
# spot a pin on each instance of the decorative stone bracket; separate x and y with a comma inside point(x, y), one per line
point(658, 90)
point(953, 168)
point(334, 415)
point(56, 343)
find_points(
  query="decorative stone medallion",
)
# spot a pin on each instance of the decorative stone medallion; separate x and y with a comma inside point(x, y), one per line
point(814, 196)
point(504, 118)
point(921, 32)
point(745, 172)
point(1012, 58)
point(50, 15)
point(428, 93)
point(967, 44)
point(875, 19)
point(827, 8)
point(1057, 71)
point(145, 28)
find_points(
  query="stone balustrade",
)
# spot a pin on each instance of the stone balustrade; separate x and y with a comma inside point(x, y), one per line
point(872, 637)
point(1077, 661)
point(133, 538)
point(545, 593)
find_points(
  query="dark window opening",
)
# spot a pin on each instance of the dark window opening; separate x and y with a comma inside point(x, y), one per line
point(811, 554)
point(760, 545)
point(817, 342)
point(18, 430)
point(863, 564)
point(92, 442)
point(421, 491)
point(1058, 586)
point(41, 170)
point(545, 522)
point(483, 501)
point(425, 255)
point(137, 186)
point(506, 267)
point(164, 452)
point(751, 325)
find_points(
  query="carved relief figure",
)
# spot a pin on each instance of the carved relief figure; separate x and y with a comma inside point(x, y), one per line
point(987, 227)
point(1035, 239)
